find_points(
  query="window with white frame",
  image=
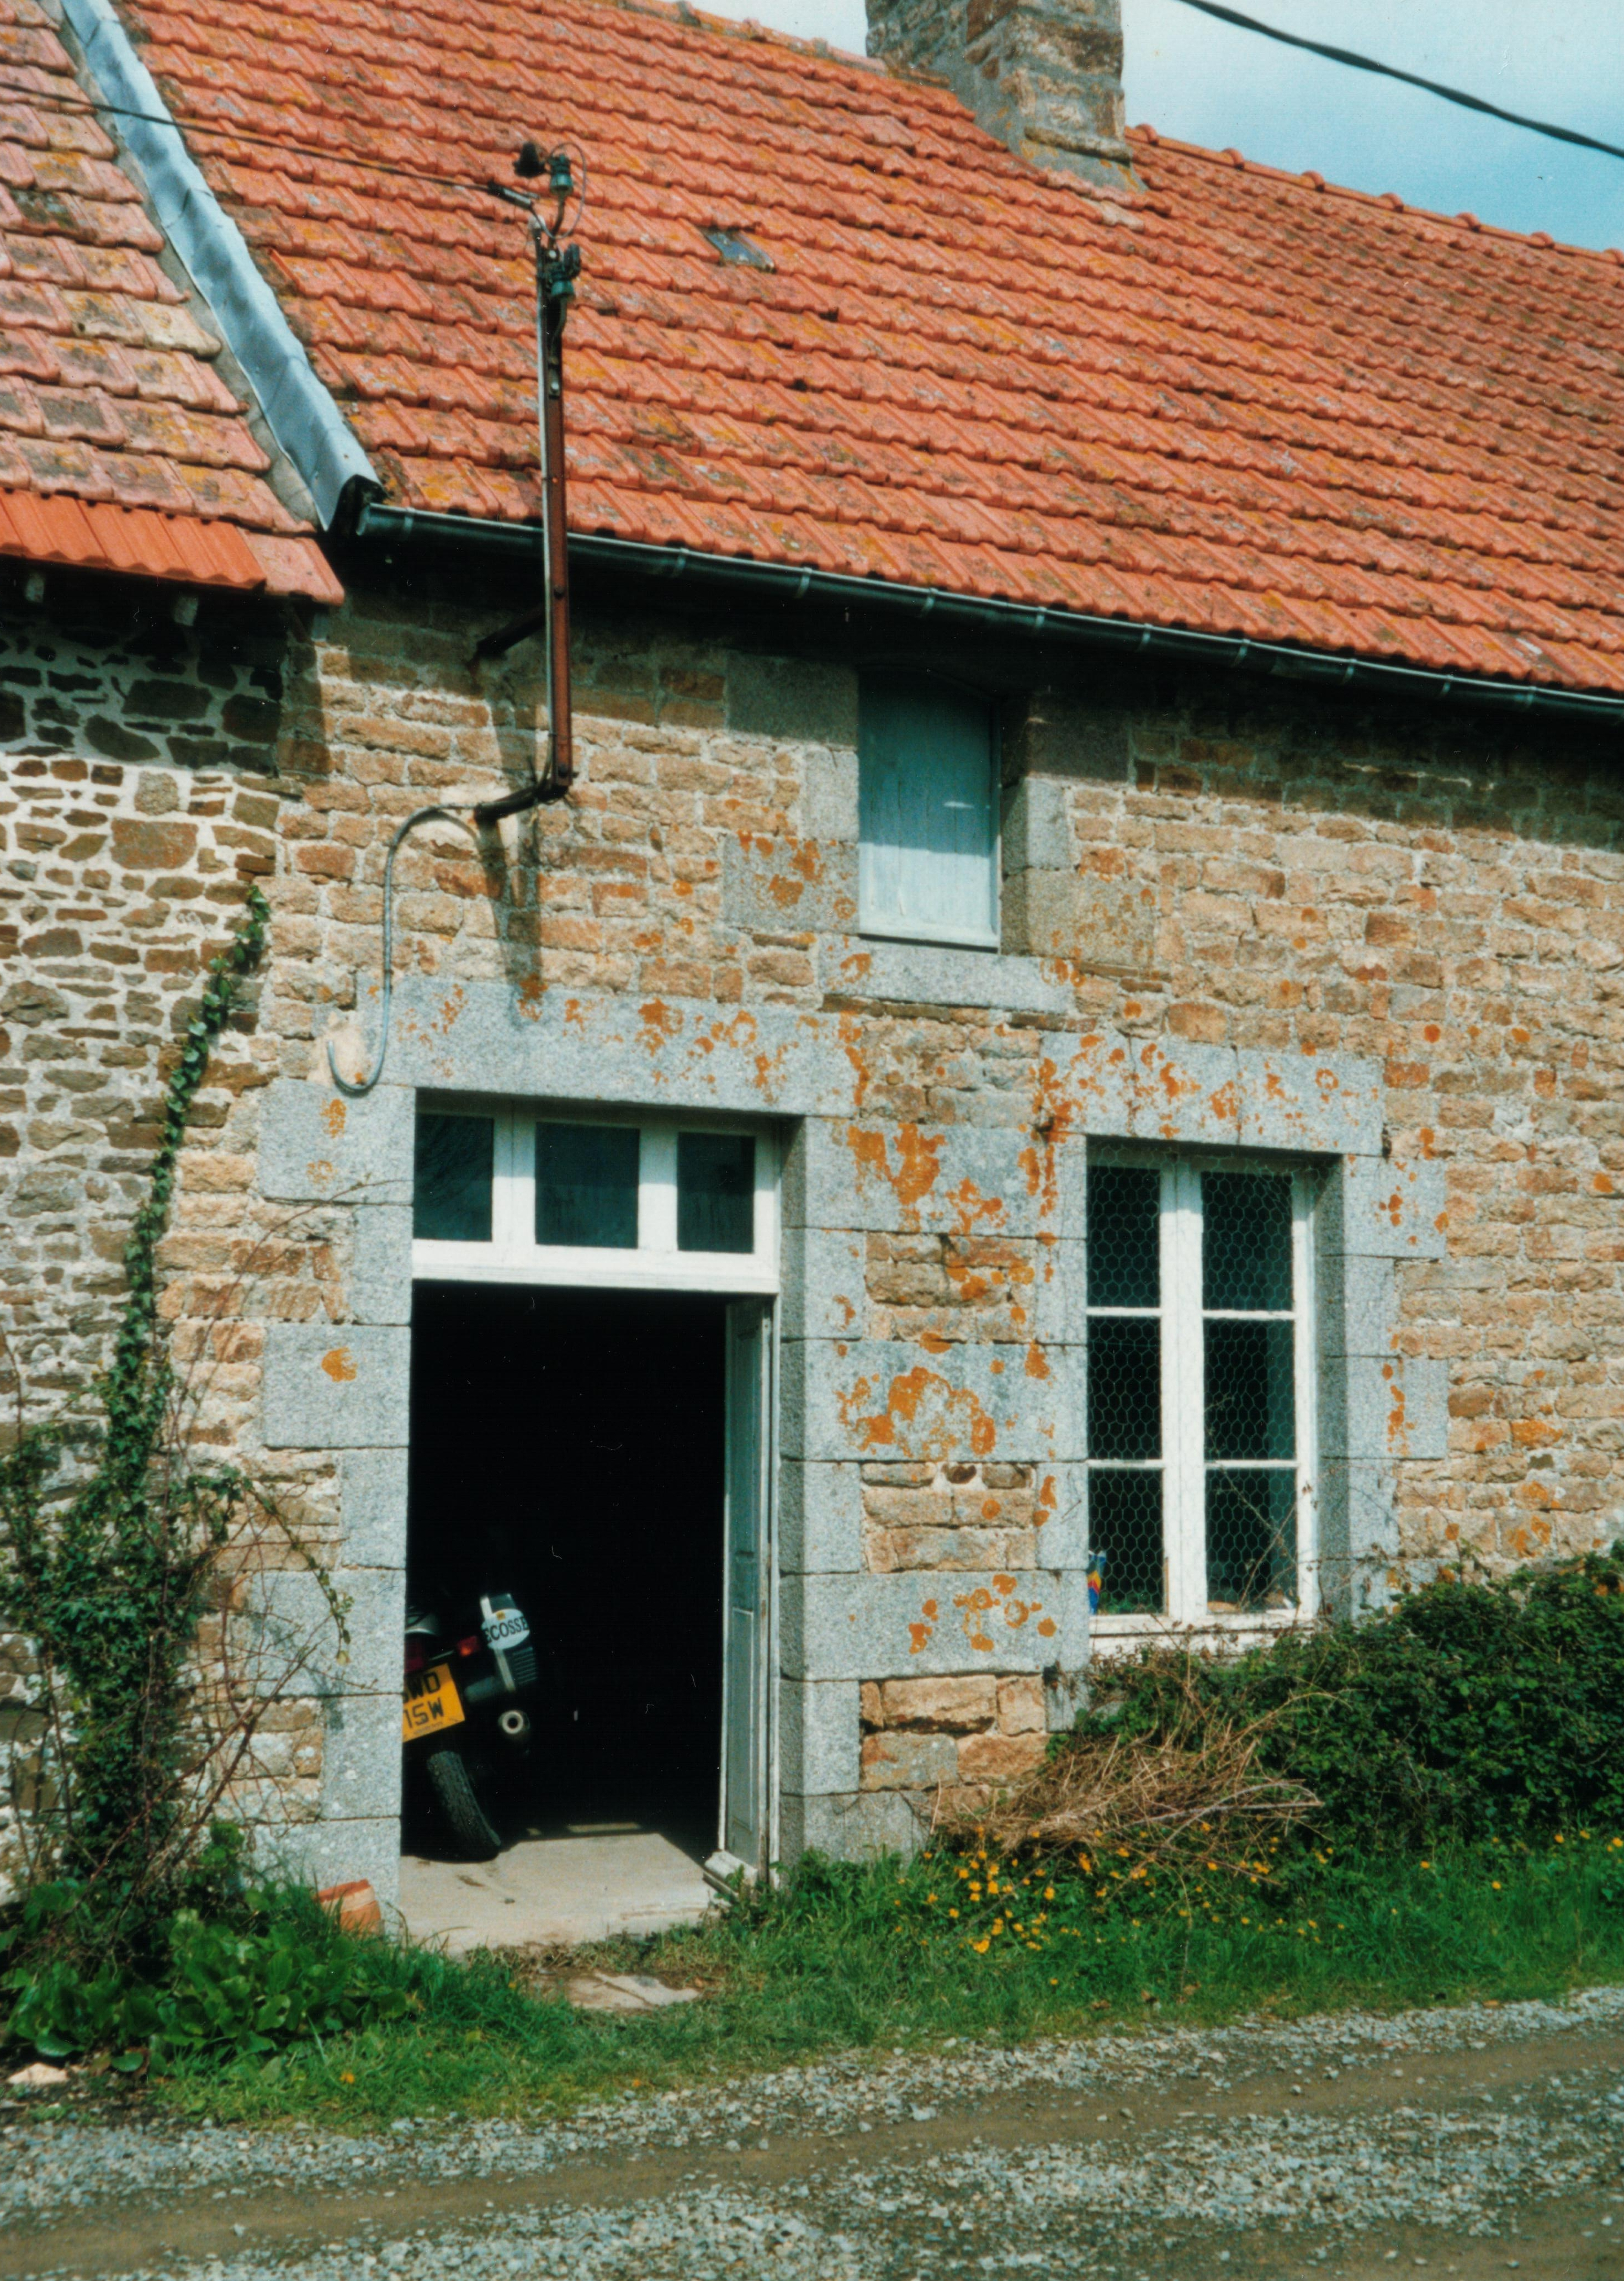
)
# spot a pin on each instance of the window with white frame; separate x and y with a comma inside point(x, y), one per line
point(539, 1195)
point(928, 865)
point(1200, 1391)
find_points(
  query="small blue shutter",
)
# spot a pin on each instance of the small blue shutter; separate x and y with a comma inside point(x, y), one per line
point(928, 861)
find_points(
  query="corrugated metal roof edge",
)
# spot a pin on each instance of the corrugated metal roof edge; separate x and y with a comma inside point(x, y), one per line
point(409, 526)
point(303, 417)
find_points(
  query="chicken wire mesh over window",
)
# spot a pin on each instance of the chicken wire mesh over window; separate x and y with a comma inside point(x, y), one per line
point(1200, 1411)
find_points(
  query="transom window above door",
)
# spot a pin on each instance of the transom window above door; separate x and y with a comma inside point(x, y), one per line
point(1201, 1427)
point(509, 1194)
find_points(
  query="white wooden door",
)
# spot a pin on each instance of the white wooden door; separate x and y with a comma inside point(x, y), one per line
point(747, 1586)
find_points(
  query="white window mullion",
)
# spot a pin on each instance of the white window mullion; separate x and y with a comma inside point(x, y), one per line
point(1185, 1440)
point(512, 1201)
point(657, 1199)
point(765, 1219)
point(1306, 1391)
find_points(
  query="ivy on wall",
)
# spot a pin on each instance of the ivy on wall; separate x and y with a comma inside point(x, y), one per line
point(111, 1580)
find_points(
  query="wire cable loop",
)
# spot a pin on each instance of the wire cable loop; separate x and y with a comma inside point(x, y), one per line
point(354, 1088)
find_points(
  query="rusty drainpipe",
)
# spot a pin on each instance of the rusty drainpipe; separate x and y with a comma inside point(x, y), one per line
point(557, 267)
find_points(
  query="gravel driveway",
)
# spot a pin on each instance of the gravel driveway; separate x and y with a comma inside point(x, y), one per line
point(1472, 2141)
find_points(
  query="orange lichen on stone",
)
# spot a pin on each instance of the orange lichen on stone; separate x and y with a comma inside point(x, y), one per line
point(923, 1416)
point(658, 1026)
point(917, 1169)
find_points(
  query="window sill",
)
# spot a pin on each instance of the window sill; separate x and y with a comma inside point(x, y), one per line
point(1114, 1635)
point(943, 937)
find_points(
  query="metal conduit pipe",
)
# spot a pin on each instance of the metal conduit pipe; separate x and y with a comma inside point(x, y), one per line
point(390, 526)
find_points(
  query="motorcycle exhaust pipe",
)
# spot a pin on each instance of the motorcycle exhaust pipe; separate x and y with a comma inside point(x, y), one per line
point(514, 1726)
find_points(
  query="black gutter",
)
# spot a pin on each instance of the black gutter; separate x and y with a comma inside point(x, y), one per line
point(935, 605)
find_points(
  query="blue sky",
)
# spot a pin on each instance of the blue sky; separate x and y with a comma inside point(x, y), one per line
point(1561, 60)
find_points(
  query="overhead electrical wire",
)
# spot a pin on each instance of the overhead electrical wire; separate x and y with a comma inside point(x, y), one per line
point(1355, 62)
point(89, 106)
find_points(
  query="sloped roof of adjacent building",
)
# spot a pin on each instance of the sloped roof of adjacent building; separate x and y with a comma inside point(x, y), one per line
point(121, 448)
point(1243, 401)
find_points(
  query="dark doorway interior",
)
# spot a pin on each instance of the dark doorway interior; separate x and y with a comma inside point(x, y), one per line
point(568, 1446)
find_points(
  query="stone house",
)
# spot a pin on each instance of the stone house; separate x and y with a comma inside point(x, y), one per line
point(1064, 1044)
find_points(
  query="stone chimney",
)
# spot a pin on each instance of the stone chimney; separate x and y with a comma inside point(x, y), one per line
point(1045, 76)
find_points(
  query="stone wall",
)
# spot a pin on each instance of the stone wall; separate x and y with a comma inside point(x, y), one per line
point(138, 799)
point(1214, 894)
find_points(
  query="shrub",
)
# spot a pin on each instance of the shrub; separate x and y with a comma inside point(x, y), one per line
point(1468, 1711)
point(275, 1971)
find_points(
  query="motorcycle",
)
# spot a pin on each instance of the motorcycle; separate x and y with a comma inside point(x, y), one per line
point(465, 1694)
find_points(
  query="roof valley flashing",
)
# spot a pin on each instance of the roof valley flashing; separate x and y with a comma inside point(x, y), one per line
point(302, 415)
point(1044, 76)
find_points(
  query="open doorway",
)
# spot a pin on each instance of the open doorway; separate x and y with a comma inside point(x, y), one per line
point(570, 1448)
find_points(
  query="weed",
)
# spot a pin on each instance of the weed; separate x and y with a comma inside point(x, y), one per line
point(848, 1956)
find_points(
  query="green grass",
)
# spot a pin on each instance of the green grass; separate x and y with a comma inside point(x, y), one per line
point(854, 1957)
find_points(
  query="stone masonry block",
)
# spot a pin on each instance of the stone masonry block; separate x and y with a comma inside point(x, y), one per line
point(790, 886)
point(829, 801)
point(1020, 1707)
point(906, 1626)
point(1386, 1209)
point(334, 1853)
point(865, 1173)
point(298, 1622)
point(372, 1508)
point(896, 1402)
point(1059, 1300)
point(1116, 1087)
point(868, 967)
point(637, 1050)
point(1109, 924)
point(1062, 1513)
point(820, 1517)
point(1397, 1407)
point(824, 1279)
point(906, 1761)
point(360, 1761)
point(863, 1826)
point(1037, 827)
point(1000, 1757)
point(961, 1705)
point(1325, 1104)
point(795, 700)
point(332, 1386)
point(1358, 1305)
point(1066, 735)
point(380, 1277)
point(1372, 1518)
point(315, 1146)
point(818, 1736)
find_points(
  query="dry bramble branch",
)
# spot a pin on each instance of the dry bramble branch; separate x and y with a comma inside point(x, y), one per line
point(1197, 1791)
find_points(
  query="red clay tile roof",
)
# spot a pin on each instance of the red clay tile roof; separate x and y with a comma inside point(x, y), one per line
point(121, 447)
point(1244, 403)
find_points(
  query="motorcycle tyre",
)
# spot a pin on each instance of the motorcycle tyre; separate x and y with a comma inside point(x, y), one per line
point(457, 1802)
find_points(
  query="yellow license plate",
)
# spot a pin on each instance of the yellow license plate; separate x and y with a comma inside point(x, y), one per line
point(432, 1701)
